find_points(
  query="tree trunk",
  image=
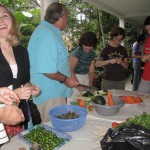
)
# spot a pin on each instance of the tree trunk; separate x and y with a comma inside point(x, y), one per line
point(101, 25)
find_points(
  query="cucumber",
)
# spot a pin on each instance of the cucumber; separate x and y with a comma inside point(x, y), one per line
point(102, 92)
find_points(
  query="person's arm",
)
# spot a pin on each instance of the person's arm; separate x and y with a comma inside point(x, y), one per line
point(125, 63)
point(102, 62)
point(92, 72)
point(145, 57)
point(73, 63)
point(70, 82)
point(134, 55)
point(9, 118)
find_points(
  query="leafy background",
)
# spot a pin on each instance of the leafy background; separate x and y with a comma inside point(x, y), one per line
point(82, 17)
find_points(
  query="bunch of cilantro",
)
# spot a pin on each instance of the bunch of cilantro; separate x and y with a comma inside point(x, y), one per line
point(142, 120)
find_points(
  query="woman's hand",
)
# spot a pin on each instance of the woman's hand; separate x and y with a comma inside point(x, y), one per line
point(119, 60)
point(11, 115)
point(7, 96)
point(35, 90)
point(24, 92)
point(112, 61)
point(145, 58)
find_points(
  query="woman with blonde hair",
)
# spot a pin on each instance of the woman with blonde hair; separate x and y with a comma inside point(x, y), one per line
point(14, 61)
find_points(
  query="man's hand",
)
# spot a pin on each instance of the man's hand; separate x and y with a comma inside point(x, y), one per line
point(71, 82)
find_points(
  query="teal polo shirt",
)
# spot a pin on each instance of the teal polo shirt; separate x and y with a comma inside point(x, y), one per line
point(48, 54)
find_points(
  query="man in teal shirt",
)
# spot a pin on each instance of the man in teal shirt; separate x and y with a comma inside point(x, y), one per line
point(49, 65)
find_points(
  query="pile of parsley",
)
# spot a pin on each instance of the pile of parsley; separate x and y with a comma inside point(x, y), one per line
point(142, 120)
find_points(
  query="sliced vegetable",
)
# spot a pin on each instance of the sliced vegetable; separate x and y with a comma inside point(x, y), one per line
point(115, 124)
point(90, 108)
point(102, 92)
point(131, 99)
point(81, 103)
point(110, 99)
point(88, 100)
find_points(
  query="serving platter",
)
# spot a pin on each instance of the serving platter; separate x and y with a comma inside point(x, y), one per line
point(59, 134)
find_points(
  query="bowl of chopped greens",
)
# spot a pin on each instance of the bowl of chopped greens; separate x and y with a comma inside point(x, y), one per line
point(67, 118)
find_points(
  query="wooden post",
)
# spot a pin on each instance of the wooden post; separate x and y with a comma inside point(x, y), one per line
point(121, 24)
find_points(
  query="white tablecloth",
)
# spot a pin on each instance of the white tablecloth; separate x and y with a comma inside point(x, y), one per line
point(85, 138)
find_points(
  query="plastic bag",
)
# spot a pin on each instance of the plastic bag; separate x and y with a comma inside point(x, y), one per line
point(133, 137)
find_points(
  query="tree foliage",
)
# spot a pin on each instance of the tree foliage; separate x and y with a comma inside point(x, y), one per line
point(82, 17)
point(27, 24)
point(88, 20)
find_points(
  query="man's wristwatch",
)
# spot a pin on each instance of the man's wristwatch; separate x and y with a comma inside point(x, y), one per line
point(64, 80)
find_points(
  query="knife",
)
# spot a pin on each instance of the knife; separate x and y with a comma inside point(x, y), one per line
point(87, 87)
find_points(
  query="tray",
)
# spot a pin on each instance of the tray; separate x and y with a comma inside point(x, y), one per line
point(58, 133)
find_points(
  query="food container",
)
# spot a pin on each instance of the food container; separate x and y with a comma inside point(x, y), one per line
point(48, 141)
point(106, 110)
point(67, 125)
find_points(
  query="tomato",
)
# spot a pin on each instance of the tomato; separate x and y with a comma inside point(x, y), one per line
point(114, 124)
point(13, 130)
point(91, 108)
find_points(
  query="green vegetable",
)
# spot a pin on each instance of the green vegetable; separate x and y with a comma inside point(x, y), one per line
point(99, 100)
point(142, 120)
point(46, 139)
point(69, 115)
point(88, 94)
point(102, 92)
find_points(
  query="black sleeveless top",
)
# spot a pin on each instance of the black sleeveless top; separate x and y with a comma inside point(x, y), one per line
point(22, 60)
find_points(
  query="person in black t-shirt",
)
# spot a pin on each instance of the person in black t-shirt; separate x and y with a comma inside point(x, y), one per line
point(114, 60)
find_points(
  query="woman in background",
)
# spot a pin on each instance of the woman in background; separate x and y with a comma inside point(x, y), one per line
point(82, 62)
point(114, 60)
point(144, 85)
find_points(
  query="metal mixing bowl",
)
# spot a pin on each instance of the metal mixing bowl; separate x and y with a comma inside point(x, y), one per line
point(106, 110)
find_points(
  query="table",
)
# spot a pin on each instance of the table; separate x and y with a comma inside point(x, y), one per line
point(81, 139)
point(85, 138)
point(127, 110)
